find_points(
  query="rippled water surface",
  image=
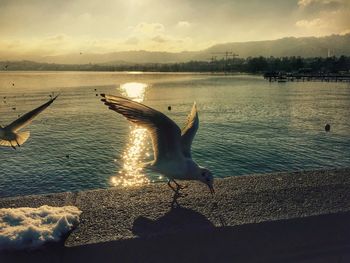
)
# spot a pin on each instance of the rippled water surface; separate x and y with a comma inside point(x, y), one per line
point(247, 125)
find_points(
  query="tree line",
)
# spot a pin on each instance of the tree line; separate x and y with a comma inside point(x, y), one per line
point(247, 65)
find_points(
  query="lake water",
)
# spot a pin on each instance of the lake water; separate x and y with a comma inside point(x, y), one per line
point(247, 125)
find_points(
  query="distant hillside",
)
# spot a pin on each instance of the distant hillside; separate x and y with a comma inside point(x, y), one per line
point(291, 46)
point(123, 57)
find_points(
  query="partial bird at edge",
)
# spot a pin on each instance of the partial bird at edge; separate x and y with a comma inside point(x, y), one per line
point(10, 135)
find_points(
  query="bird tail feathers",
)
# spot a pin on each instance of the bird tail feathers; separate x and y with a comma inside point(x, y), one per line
point(21, 138)
point(6, 143)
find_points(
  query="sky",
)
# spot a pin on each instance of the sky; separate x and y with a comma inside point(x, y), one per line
point(57, 27)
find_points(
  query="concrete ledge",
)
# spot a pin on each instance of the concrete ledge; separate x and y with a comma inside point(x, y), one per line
point(283, 216)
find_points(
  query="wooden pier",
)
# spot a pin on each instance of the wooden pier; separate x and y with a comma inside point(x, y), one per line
point(285, 77)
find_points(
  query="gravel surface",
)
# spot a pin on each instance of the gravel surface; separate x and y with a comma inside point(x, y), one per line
point(119, 213)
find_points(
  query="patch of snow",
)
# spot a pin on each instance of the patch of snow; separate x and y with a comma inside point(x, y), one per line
point(27, 227)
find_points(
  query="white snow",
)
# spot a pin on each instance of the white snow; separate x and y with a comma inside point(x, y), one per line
point(27, 227)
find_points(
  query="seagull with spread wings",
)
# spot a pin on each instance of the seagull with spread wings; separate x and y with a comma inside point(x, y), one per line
point(171, 146)
point(10, 135)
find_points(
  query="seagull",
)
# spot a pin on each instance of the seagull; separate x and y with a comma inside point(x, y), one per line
point(171, 146)
point(10, 135)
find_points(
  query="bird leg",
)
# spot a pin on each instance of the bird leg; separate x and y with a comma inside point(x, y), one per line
point(178, 186)
point(177, 189)
point(174, 202)
point(172, 188)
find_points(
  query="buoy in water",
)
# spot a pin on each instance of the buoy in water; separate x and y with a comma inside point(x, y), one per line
point(327, 128)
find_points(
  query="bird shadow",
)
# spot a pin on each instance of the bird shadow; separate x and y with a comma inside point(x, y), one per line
point(177, 219)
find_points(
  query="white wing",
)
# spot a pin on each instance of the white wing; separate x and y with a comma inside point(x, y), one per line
point(27, 118)
point(165, 134)
point(189, 131)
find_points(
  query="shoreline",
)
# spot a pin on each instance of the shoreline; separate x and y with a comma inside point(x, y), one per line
point(304, 214)
point(121, 188)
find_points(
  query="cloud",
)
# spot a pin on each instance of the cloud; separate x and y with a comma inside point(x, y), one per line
point(305, 3)
point(36, 48)
point(323, 17)
point(26, 227)
point(159, 39)
point(312, 6)
point(132, 41)
point(115, 25)
point(183, 24)
point(149, 28)
point(317, 22)
point(58, 38)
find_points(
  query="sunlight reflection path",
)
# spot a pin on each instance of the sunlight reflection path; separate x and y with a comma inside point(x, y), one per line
point(131, 173)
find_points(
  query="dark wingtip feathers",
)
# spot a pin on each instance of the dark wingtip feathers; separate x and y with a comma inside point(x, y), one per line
point(53, 99)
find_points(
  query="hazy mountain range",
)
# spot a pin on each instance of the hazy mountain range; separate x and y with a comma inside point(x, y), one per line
point(305, 47)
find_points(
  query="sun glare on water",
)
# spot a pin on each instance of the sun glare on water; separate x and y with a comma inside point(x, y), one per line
point(131, 173)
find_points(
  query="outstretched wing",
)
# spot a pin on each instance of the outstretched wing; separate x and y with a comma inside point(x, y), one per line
point(189, 131)
point(27, 118)
point(165, 134)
